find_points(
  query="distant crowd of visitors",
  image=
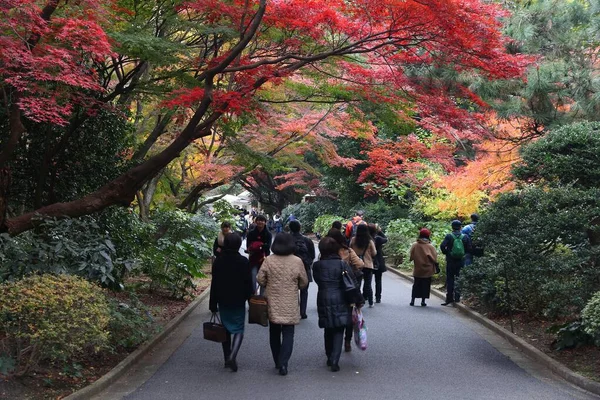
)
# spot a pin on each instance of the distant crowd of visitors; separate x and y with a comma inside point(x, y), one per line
point(281, 269)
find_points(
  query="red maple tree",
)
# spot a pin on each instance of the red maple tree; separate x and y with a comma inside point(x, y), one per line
point(371, 45)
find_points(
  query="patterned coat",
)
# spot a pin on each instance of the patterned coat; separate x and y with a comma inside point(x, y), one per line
point(282, 277)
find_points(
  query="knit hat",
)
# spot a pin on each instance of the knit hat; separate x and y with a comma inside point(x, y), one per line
point(424, 233)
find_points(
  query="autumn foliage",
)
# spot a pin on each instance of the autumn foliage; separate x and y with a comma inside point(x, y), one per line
point(236, 51)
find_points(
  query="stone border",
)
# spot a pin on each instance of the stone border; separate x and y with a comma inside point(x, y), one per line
point(124, 366)
point(529, 350)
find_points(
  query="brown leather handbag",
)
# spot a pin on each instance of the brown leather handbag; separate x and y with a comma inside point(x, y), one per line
point(214, 330)
point(258, 311)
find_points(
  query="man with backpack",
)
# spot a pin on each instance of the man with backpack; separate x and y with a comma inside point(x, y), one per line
point(305, 250)
point(353, 223)
point(454, 246)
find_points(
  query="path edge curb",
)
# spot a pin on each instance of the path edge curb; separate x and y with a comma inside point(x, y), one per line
point(124, 366)
point(529, 350)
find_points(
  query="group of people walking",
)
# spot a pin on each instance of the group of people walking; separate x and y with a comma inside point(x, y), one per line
point(282, 268)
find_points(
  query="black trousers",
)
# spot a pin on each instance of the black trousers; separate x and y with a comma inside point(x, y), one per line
point(303, 300)
point(377, 275)
point(368, 285)
point(452, 272)
point(334, 338)
point(281, 338)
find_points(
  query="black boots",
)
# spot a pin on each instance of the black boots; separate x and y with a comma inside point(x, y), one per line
point(412, 301)
point(235, 347)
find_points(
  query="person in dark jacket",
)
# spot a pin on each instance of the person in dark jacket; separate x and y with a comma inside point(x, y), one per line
point(258, 245)
point(378, 262)
point(220, 240)
point(333, 308)
point(230, 288)
point(454, 264)
point(307, 259)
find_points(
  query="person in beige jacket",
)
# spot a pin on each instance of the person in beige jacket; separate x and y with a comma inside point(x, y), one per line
point(364, 246)
point(282, 274)
point(424, 256)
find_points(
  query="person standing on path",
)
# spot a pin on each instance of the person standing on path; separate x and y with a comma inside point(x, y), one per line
point(333, 308)
point(469, 230)
point(424, 257)
point(379, 262)
point(349, 257)
point(258, 246)
point(220, 240)
point(454, 246)
point(230, 288)
point(282, 275)
point(305, 250)
point(363, 245)
point(278, 223)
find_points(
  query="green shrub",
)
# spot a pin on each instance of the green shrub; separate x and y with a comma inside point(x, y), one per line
point(538, 239)
point(570, 335)
point(225, 212)
point(402, 233)
point(381, 212)
point(180, 246)
point(77, 246)
point(323, 223)
point(131, 323)
point(591, 317)
point(49, 317)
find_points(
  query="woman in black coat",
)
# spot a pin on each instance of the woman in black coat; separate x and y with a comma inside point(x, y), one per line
point(230, 288)
point(334, 311)
point(379, 262)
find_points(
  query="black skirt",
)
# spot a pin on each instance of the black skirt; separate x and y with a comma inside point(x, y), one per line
point(421, 288)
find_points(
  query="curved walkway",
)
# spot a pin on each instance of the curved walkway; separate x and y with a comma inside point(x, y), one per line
point(414, 353)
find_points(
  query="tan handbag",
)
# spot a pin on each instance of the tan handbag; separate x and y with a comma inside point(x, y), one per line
point(258, 311)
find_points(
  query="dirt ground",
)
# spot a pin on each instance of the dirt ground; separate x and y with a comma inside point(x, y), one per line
point(58, 381)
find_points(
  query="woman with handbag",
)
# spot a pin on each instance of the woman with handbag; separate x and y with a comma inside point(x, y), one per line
point(230, 288)
point(349, 257)
point(334, 298)
point(364, 246)
point(282, 274)
point(424, 256)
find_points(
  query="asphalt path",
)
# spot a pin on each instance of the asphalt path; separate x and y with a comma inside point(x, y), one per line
point(413, 353)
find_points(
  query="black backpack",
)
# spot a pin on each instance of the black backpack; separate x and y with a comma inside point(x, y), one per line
point(302, 251)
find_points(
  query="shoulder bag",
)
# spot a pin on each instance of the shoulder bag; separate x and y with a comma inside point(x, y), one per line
point(214, 330)
point(258, 310)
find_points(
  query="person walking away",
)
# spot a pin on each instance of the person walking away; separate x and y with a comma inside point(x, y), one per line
point(424, 257)
point(258, 245)
point(351, 226)
point(454, 246)
point(241, 225)
point(305, 250)
point(230, 288)
point(469, 230)
point(282, 275)
point(278, 223)
point(220, 240)
point(378, 262)
point(364, 246)
point(337, 225)
point(356, 264)
point(334, 311)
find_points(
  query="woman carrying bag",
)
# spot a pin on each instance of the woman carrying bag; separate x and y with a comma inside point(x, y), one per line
point(364, 246)
point(333, 303)
point(230, 288)
point(282, 274)
point(349, 256)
